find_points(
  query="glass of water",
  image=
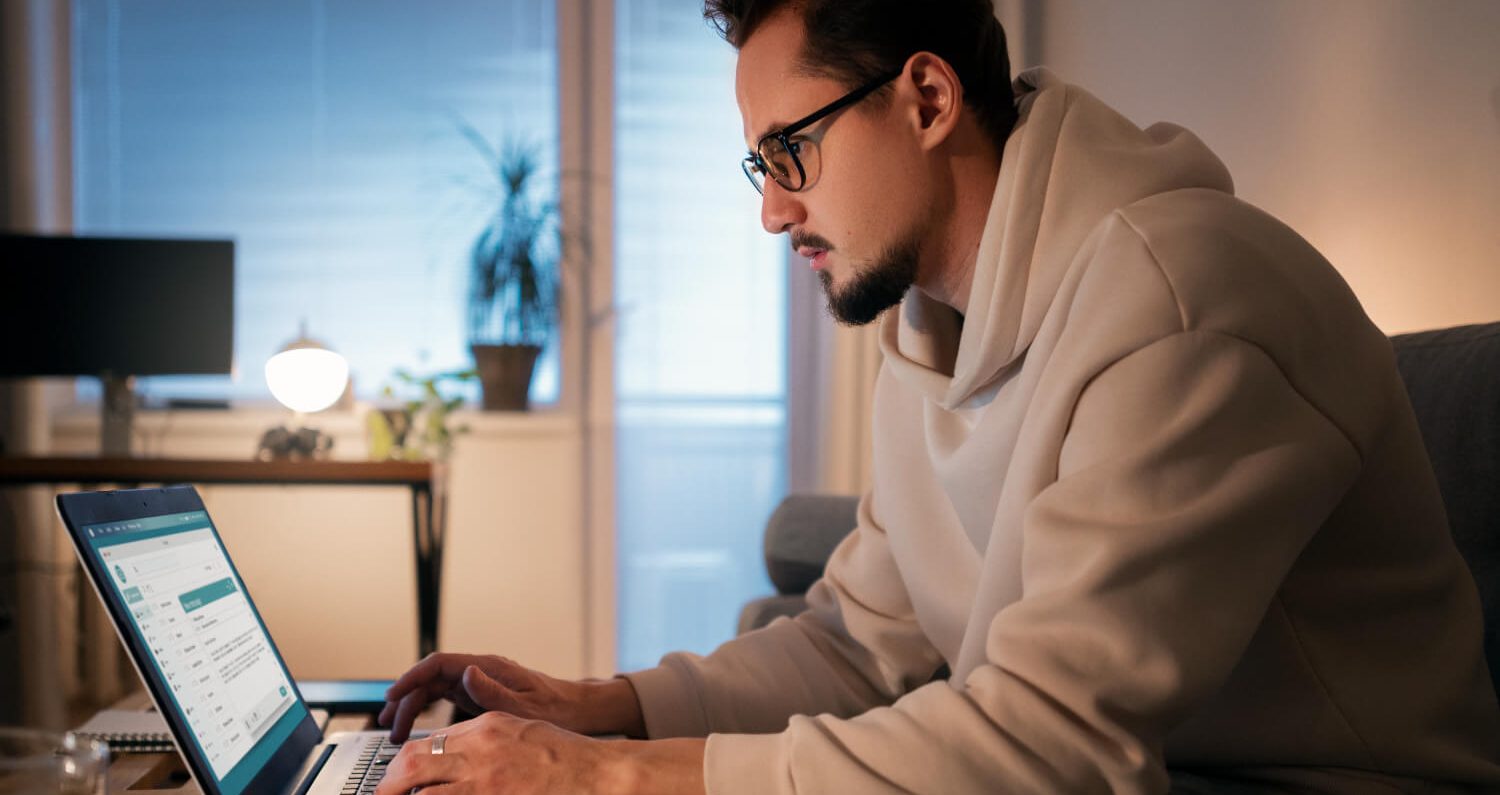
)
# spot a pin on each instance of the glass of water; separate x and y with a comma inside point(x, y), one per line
point(33, 760)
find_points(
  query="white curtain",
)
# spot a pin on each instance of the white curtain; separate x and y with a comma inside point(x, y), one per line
point(830, 385)
point(848, 410)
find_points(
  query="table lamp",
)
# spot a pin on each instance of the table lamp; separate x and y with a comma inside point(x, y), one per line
point(306, 377)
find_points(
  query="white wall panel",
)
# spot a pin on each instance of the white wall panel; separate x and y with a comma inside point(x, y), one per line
point(1372, 127)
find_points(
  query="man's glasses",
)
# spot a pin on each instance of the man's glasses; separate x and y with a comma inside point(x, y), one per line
point(776, 155)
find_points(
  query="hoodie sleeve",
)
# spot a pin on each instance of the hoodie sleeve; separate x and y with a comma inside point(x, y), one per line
point(808, 665)
point(1190, 479)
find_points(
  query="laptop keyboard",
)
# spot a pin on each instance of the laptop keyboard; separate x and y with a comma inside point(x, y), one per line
point(370, 767)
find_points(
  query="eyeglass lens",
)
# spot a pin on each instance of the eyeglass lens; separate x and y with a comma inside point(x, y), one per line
point(777, 162)
point(783, 165)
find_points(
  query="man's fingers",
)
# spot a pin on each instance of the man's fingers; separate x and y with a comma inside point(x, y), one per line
point(439, 665)
point(460, 698)
point(460, 679)
point(406, 714)
point(436, 674)
point(416, 767)
point(508, 672)
point(430, 693)
point(420, 672)
point(486, 692)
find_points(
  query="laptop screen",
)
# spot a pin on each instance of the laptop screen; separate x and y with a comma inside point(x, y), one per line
point(200, 630)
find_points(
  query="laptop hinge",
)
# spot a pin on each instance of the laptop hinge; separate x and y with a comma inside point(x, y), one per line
point(312, 774)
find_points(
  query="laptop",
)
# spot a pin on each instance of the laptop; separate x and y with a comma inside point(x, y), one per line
point(204, 653)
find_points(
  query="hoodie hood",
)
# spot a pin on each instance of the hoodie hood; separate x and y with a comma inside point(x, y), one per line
point(1069, 163)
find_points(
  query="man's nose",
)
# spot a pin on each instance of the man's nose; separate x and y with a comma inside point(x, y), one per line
point(779, 208)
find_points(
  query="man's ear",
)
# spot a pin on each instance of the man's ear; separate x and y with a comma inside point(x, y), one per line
point(939, 97)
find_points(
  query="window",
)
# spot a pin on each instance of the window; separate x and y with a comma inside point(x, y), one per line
point(700, 361)
point(323, 137)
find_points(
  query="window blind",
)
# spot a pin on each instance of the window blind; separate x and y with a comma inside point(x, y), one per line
point(322, 136)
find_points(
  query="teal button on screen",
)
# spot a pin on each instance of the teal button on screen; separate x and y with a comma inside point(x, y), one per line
point(198, 597)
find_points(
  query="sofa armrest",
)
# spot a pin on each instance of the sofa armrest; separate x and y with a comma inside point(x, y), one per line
point(801, 535)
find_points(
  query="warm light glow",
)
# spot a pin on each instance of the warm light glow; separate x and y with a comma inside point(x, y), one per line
point(307, 379)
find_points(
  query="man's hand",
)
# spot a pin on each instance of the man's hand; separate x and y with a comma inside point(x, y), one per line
point(501, 754)
point(481, 683)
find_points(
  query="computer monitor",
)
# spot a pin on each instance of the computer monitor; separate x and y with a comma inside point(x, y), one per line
point(115, 308)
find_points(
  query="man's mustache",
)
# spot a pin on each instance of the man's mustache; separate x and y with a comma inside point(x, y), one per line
point(810, 240)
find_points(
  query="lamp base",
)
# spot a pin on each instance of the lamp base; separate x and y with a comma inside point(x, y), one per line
point(283, 444)
point(117, 412)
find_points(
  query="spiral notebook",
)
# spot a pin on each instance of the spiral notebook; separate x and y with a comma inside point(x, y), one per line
point(141, 730)
point(129, 730)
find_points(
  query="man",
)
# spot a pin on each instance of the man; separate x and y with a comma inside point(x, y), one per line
point(1147, 483)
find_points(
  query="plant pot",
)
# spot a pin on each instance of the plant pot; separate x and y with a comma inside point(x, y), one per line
point(505, 374)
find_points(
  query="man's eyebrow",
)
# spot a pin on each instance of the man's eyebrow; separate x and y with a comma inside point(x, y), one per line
point(775, 126)
point(800, 69)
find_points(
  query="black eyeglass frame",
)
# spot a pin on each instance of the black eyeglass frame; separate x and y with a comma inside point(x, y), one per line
point(754, 160)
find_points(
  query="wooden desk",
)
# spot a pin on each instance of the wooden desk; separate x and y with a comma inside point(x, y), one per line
point(423, 478)
point(165, 772)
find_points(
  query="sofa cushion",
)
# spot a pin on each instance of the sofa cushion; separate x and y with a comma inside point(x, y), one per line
point(1453, 377)
point(801, 534)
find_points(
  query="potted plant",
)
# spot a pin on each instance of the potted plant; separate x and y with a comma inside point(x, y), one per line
point(513, 277)
point(417, 429)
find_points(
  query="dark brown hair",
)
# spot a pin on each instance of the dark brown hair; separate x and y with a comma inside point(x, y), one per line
point(854, 41)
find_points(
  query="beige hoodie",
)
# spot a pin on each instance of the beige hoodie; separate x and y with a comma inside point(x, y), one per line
point(1159, 502)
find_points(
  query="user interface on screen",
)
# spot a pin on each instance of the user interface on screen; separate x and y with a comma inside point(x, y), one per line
point(203, 636)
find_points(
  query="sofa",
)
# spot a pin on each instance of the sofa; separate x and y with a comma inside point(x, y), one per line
point(1453, 378)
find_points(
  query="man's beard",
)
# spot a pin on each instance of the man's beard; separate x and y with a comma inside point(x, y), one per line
point(875, 289)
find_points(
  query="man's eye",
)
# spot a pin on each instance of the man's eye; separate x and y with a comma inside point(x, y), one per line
point(794, 146)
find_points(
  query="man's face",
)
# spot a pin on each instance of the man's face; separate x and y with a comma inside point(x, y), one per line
point(860, 216)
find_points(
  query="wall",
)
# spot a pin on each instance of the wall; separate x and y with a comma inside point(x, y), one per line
point(332, 570)
point(1370, 126)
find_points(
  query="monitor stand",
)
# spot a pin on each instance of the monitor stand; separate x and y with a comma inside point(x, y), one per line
point(118, 407)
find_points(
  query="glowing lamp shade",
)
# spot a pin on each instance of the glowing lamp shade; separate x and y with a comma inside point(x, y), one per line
point(307, 379)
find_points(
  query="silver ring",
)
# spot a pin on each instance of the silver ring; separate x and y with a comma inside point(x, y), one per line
point(437, 743)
